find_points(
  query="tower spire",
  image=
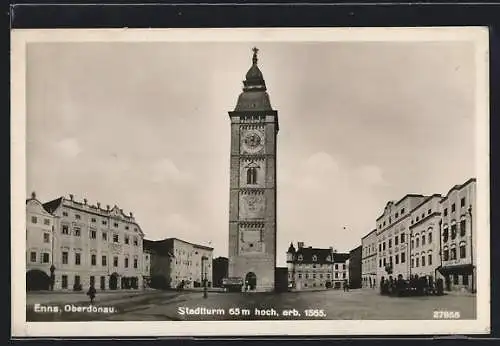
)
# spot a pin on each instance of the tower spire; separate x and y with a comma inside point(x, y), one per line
point(254, 58)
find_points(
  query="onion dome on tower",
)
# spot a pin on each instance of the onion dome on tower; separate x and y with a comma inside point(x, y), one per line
point(254, 96)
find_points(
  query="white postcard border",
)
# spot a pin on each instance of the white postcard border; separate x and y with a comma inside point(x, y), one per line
point(21, 328)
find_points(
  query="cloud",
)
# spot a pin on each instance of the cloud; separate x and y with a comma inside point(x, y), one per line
point(165, 170)
point(371, 175)
point(318, 170)
point(69, 147)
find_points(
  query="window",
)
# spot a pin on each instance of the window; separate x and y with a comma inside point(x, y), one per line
point(385, 262)
point(416, 220)
point(105, 236)
point(45, 257)
point(416, 262)
point(465, 280)
point(403, 257)
point(336, 267)
point(429, 237)
point(380, 263)
point(92, 280)
point(383, 246)
point(65, 229)
point(417, 242)
point(462, 202)
point(77, 280)
point(423, 261)
point(445, 211)
point(412, 262)
point(33, 256)
point(429, 211)
point(77, 259)
point(453, 207)
point(104, 222)
point(453, 231)
point(446, 255)
point(46, 238)
point(300, 276)
point(65, 257)
point(343, 275)
point(314, 276)
point(65, 213)
point(136, 241)
point(390, 243)
point(455, 279)
point(343, 266)
point(307, 276)
point(93, 259)
point(64, 281)
point(445, 235)
point(379, 247)
point(412, 244)
point(126, 262)
point(252, 176)
point(115, 261)
point(46, 222)
point(396, 259)
point(115, 224)
point(336, 275)
point(402, 238)
point(77, 231)
point(93, 219)
point(396, 240)
point(462, 228)
point(429, 259)
point(462, 250)
point(423, 239)
point(423, 216)
point(402, 210)
point(93, 234)
point(321, 276)
point(126, 227)
point(115, 238)
point(34, 219)
point(78, 217)
point(127, 239)
point(104, 261)
point(328, 275)
point(396, 216)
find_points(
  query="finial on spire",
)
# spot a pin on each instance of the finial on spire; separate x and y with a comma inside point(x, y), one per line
point(33, 195)
point(255, 51)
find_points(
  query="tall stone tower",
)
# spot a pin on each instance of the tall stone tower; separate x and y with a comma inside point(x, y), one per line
point(252, 202)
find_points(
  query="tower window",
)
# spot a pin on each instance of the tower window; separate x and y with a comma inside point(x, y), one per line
point(252, 176)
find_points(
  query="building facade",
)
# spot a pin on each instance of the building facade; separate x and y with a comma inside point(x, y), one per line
point(354, 267)
point(314, 268)
point(393, 237)
point(252, 205)
point(369, 259)
point(95, 246)
point(220, 270)
point(458, 244)
point(424, 237)
point(39, 245)
point(146, 267)
point(178, 263)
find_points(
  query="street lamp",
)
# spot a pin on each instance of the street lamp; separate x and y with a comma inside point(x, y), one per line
point(204, 275)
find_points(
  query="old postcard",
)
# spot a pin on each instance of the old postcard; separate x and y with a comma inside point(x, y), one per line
point(250, 182)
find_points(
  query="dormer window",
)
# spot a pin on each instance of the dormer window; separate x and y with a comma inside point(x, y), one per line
point(328, 258)
point(315, 258)
point(300, 258)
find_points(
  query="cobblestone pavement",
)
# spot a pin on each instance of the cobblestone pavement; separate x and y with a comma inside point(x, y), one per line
point(362, 304)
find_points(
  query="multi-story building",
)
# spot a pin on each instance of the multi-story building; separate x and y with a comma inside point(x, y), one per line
point(314, 268)
point(95, 246)
point(39, 245)
point(393, 236)
point(458, 243)
point(369, 259)
point(424, 237)
point(354, 267)
point(180, 263)
point(219, 270)
point(146, 267)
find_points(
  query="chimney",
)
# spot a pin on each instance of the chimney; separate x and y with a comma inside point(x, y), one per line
point(33, 195)
point(331, 248)
point(107, 207)
point(300, 244)
point(99, 205)
point(71, 196)
point(131, 215)
point(85, 201)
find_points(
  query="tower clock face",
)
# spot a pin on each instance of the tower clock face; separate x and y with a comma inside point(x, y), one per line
point(252, 141)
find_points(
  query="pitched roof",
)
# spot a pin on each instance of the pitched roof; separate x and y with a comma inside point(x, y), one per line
point(51, 206)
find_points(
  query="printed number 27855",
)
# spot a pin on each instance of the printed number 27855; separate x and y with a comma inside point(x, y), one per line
point(446, 314)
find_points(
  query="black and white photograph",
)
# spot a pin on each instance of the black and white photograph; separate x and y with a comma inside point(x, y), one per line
point(298, 181)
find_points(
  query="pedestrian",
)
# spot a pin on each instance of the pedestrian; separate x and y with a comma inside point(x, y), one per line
point(91, 293)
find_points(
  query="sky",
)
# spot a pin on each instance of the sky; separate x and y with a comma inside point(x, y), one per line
point(145, 126)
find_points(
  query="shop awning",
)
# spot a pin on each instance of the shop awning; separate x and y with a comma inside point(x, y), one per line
point(456, 269)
